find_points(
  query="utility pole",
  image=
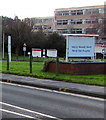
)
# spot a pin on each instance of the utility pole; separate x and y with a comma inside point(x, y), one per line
point(67, 48)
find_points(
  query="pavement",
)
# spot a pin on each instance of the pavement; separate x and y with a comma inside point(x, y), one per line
point(90, 90)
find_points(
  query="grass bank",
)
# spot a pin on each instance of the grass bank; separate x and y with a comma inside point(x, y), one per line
point(22, 68)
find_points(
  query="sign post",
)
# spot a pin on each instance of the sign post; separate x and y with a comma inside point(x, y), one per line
point(67, 48)
point(9, 48)
point(24, 48)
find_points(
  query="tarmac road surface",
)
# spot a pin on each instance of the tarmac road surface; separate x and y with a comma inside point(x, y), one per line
point(28, 102)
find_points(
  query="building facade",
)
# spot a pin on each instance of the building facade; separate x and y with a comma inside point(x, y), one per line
point(46, 24)
point(78, 20)
point(75, 20)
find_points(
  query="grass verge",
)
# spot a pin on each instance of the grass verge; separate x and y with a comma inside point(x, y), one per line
point(22, 68)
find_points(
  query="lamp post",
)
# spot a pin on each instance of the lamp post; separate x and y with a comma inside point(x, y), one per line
point(30, 56)
point(24, 48)
point(103, 52)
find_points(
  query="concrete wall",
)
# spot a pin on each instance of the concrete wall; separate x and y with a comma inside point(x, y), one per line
point(75, 68)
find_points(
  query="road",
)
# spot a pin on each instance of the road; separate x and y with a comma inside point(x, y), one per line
point(41, 104)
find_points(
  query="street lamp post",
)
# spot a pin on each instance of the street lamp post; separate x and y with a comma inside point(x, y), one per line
point(24, 48)
point(103, 52)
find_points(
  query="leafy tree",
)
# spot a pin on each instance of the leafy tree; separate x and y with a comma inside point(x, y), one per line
point(56, 41)
point(6, 29)
point(39, 40)
point(21, 33)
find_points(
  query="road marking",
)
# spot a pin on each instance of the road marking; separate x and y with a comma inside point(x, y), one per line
point(16, 113)
point(59, 92)
point(38, 113)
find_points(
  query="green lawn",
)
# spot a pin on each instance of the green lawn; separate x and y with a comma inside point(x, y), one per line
point(26, 58)
point(22, 68)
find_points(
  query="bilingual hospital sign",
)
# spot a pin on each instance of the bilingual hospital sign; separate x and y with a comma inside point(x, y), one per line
point(78, 45)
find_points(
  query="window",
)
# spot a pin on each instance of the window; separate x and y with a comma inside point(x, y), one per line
point(72, 22)
point(101, 10)
point(65, 22)
point(76, 31)
point(95, 11)
point(91, 21)
point(79, 12)
point(79, 21)
point(94, 21)
point(59, 13)
point(100, 20)
point(62, 31)
point(73, 12)
point(76, 12)
point(62, 13)
point(75, 21)
point(65, 13)
point(92, 11)
point(59, 22)
point(88, 21)
point(36, 27)
point(62, 22)
point(88, 11)
point(47, 20)
point(47, 27)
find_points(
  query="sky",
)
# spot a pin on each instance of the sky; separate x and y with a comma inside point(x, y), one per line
point(40, 8)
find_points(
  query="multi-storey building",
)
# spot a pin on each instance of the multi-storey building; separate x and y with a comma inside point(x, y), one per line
point(78, 19)
point(75, 20)
point(41, 23)
point(83, 20)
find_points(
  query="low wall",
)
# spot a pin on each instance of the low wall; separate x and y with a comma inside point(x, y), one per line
point(78, 68)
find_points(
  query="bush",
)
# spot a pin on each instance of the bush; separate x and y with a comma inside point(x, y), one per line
point(46, 65)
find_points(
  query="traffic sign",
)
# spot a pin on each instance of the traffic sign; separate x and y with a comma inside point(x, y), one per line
point(103, 51)
point(24, 49)
point(24, 45)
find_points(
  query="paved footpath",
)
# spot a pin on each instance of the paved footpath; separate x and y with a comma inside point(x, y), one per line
point(96, 91)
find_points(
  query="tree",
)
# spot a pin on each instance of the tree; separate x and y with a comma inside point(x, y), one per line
point(56, 41)
point(21, 33)
point(97, 26)
point(39, 40)
point(6, 29)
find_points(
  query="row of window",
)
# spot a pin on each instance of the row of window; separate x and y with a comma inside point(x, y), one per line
point(69, 31)
point(78, 21)
point(37, 27)
point(76, 30)
point(80, 12)
point(36, 20)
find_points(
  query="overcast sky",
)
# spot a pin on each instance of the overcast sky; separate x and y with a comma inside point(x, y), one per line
point(40, 8)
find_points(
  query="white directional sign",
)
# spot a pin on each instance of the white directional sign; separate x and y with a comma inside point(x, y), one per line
point(24, 49)
point(36, 52)
point(51, 52)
